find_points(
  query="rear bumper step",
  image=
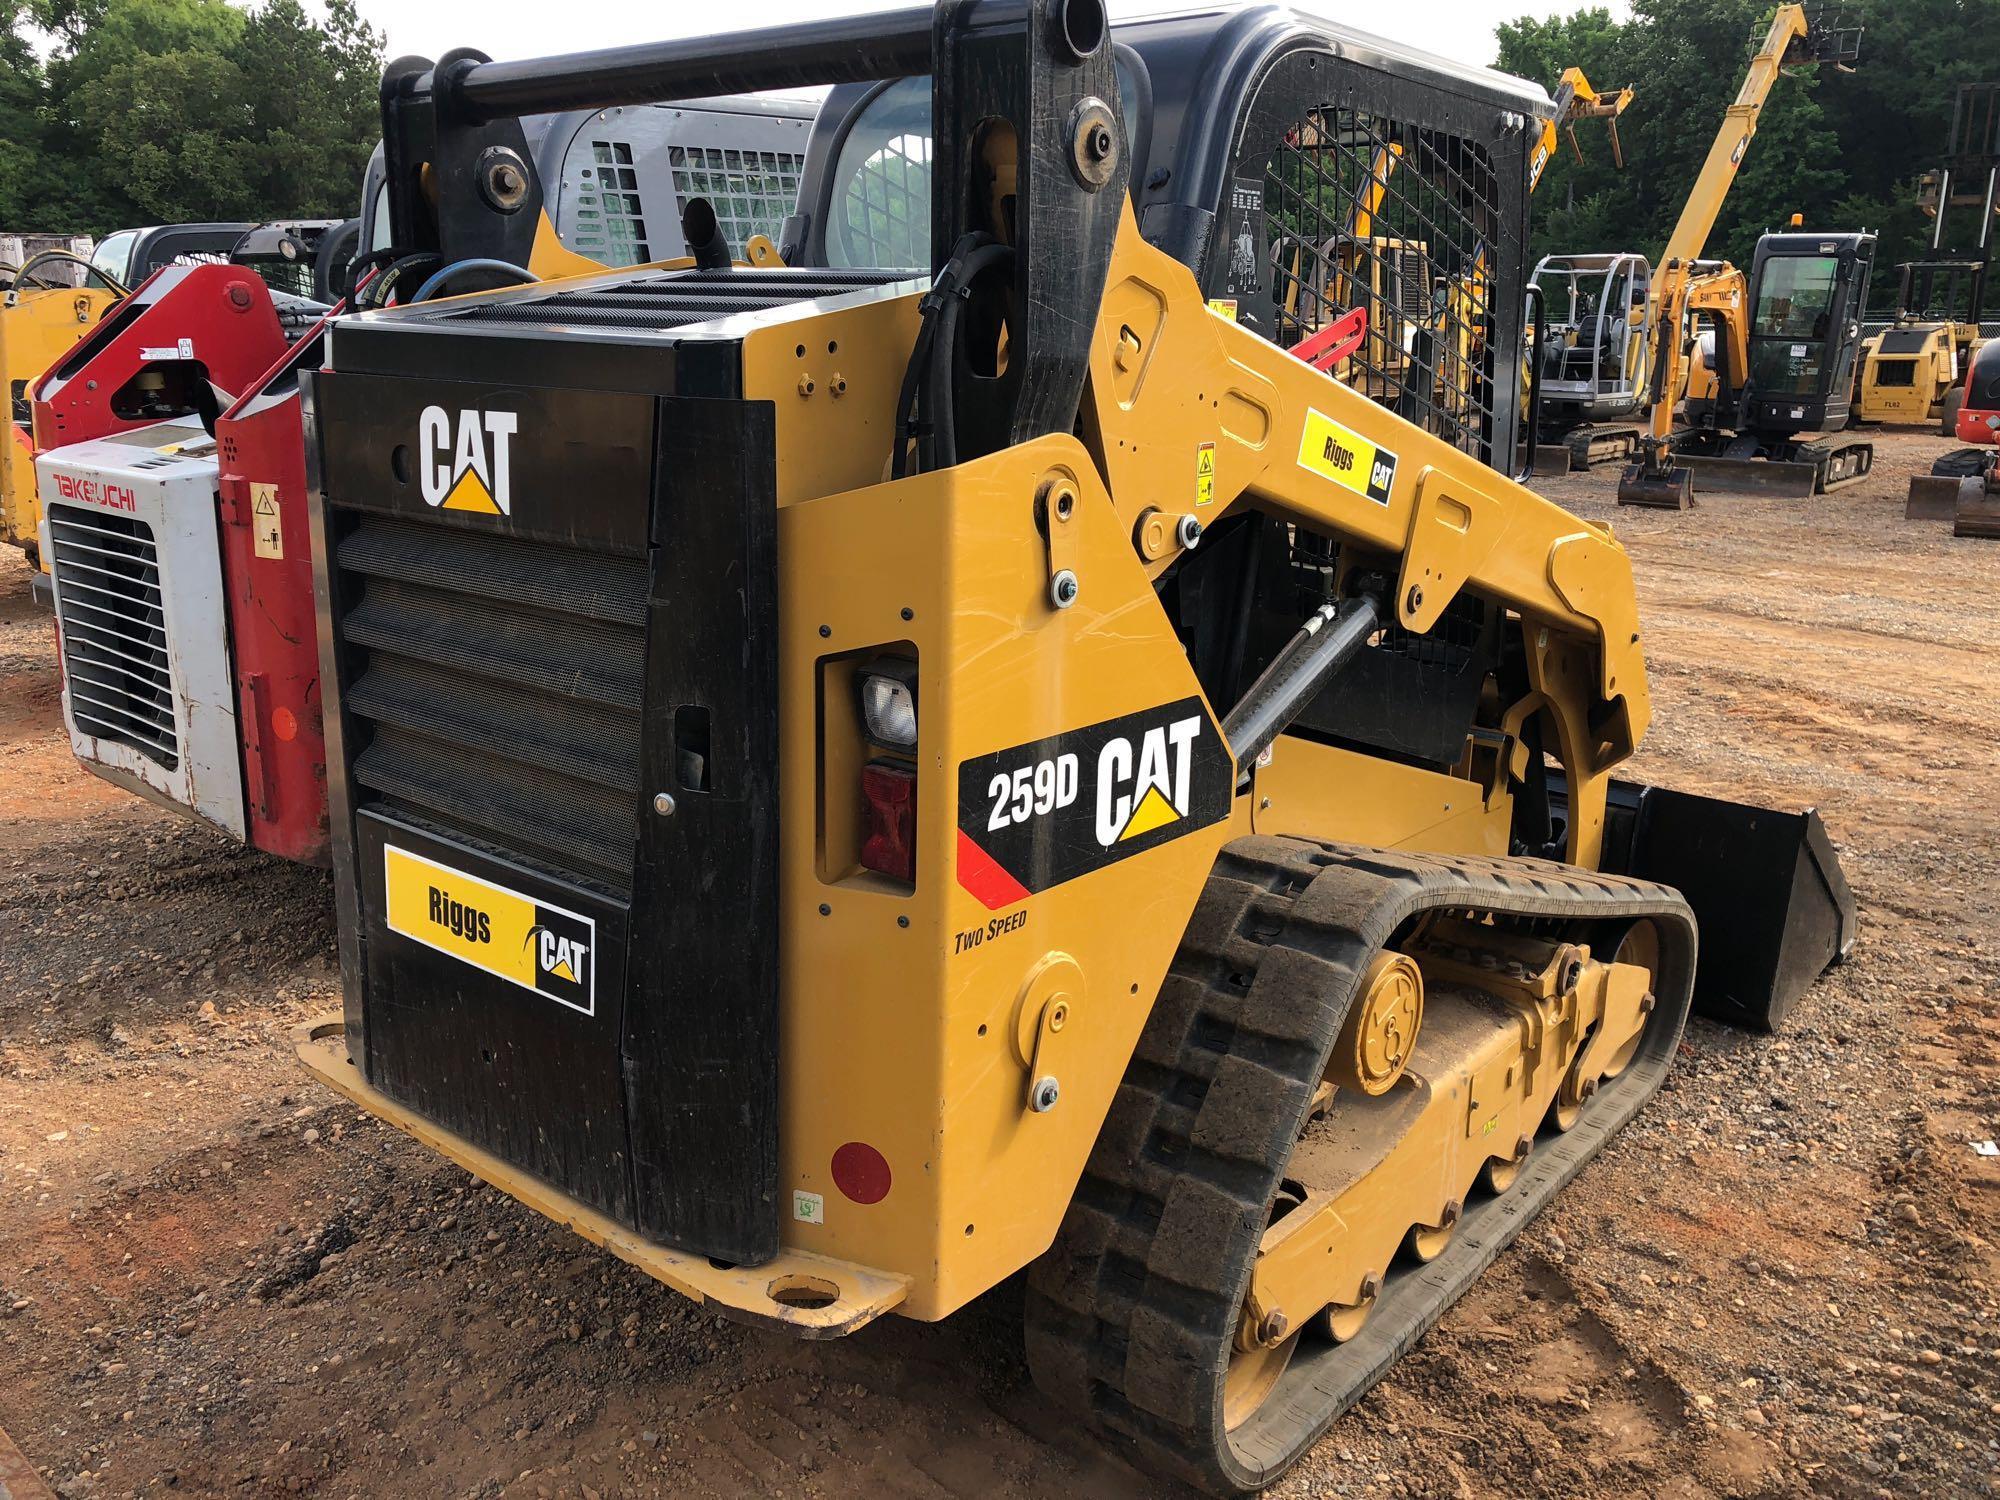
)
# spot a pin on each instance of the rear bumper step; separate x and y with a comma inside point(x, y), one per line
point(779, 1294)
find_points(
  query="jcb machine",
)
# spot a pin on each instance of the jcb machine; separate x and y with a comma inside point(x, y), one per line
point(1614, 319)
point(847, 785)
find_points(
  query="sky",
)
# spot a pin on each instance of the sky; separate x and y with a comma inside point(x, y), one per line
point(1459, 29)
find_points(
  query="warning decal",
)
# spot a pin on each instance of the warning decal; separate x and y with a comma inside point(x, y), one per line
point(265, 531)
point(523, 941)
point(1043, 813)
point(1204, 474)
point(1346, 457)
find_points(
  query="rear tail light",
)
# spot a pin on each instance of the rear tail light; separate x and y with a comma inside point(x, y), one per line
point(889, 843)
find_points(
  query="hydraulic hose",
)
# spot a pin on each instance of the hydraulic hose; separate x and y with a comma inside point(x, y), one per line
point(456, 268)
point(1323, 645)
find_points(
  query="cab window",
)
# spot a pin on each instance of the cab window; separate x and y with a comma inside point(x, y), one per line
point(111, 256)
point(878, 213)
point(1795, 297)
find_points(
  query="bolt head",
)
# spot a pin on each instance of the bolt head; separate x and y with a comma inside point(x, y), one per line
point(1273, 1327)
point(1063, 589)
point(663, 804)
point(1187, 531)
point(1047, 1091)
point(1415, 598)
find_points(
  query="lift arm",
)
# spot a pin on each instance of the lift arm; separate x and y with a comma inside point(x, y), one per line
point(1173, 387)
point(1690, 290)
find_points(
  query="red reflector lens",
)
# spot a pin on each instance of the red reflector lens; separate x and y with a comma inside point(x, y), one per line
point(889, 843)
point(861, 1172)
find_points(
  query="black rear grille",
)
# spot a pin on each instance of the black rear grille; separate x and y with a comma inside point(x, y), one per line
point(500, 692)
point(669, 299)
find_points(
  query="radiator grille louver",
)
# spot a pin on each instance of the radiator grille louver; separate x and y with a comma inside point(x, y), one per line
point(114, 632)
point(500, 692)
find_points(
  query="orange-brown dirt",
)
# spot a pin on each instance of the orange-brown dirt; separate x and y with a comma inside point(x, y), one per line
point(1781, 1281)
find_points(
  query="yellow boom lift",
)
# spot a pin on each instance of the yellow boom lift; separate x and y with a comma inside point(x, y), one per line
point(847, 785)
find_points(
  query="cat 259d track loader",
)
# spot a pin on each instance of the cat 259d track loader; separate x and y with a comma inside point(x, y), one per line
point(849, 783)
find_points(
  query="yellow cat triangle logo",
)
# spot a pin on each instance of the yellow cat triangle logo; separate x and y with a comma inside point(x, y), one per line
point(1153, 811)
point(563, 971)
point(470, 493)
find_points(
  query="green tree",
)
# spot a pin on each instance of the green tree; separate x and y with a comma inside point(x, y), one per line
point(22, 96)
point(1843, 150)
point(161, 111)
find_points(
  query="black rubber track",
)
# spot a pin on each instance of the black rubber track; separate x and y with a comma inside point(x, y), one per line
point(1132, 1311)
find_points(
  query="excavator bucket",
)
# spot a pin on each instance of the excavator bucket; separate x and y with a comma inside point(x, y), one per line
point(1978, 511)
point(1657, 489)
point(1778, 479)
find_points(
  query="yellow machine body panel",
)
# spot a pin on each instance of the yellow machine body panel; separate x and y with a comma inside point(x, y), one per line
point(37, 327)
point(937, 1076)
point(1908, 370)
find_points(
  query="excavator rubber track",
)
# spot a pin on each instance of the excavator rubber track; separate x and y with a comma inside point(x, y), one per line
point(1132, 1313)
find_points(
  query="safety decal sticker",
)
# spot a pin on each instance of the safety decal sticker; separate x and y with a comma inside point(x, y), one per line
point(1204, 474)
point(1346, 457)
point(515, 937)
point(267, 535)
point(464, 459)
point(1043, 813)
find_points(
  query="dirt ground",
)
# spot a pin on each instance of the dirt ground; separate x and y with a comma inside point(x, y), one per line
point(1783, 1280)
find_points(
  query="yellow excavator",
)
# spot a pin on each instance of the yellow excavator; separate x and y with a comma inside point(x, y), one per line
point(1615, 320)
point(848, 784)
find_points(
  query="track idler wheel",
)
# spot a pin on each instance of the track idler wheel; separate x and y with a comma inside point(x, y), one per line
point(1670, 488)
point(1381, 1031)
point(1341, 1323)
point(1253, 1375)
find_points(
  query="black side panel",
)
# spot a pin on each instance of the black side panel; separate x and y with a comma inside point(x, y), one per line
point(526, 1067)
point(701, 1031)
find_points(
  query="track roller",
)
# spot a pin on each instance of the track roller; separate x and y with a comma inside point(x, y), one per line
point(1246, 1254)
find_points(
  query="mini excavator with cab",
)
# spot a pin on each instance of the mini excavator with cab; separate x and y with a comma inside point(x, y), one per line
point(1615, 322)
point(857, 777)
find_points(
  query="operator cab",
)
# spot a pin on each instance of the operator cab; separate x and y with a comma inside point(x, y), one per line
point(1807, 296)
point(1593, 339)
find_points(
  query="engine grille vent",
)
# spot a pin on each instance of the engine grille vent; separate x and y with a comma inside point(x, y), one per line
point(671, 299)
point(114, 632)
point(500, 694)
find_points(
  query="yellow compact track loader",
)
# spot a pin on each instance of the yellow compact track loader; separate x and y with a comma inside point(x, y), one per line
point(854, 780)
point(52, 301)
